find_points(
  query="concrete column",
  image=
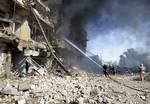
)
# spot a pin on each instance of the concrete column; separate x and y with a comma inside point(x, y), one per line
point(2, 58)
point(8, 64)
point(5, 60)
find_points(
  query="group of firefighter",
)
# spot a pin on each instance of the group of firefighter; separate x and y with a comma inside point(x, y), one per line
point(107, 69)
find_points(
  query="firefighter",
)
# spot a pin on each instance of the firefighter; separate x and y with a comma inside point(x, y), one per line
point(142, 72)
point(113, 70)
point(105, 70)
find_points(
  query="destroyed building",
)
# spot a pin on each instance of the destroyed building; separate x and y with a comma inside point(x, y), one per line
point(33, 36)
point(21, 34)
point(29, 34)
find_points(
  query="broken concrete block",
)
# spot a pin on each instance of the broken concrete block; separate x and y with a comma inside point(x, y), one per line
point(93, 92)
point(8, 89)
point(41, 71)
point(24, 86)
point(106, 99)
point(42, 101)
point(81, 100)
point(28, 52)
point(21, 100)
point(143, 97)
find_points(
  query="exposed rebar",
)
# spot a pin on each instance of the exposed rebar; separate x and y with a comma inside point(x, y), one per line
point(48, 43)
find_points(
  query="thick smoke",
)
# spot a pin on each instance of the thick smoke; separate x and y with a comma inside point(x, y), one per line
point(73, 17)
point(126, 24)
point(133, 58)
point(121, 23)
point(75, 12)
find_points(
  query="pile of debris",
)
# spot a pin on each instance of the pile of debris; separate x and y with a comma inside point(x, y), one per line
point(81, 89)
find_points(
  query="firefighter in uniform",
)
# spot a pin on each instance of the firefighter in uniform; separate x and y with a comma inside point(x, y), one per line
point(142, 72)
point(105, 70)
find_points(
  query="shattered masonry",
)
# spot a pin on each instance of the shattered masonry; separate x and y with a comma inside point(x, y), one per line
point(21, 36)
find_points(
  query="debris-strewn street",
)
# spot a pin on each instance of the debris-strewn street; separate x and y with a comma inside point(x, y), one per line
point(85, 89)
point(44, 44)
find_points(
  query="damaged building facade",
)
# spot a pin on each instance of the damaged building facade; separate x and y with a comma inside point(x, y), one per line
point(20, 34)
point(30, 35)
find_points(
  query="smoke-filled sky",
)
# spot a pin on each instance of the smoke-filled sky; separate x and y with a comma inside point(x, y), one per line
point(118, 26)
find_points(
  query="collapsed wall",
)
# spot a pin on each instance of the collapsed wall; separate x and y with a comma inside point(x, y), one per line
point(21, 36)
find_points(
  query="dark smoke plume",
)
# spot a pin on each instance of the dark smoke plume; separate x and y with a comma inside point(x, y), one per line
point(75, 13)
point(126, 22)
point(123, 21)
point(133, 58)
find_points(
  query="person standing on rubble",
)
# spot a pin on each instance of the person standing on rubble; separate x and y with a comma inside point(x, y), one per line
point(142, 72)
point(113, 70)
point(105, 70)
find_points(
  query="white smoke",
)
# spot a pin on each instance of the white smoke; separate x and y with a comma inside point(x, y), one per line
point(133, 58)
point(124, 24)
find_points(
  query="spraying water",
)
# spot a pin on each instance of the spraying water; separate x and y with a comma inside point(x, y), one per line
point(73, 45)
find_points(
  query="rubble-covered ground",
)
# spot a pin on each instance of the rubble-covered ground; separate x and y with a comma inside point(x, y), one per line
point(81, 89)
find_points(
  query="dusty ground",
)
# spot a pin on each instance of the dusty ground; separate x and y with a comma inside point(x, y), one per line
point(86, 89)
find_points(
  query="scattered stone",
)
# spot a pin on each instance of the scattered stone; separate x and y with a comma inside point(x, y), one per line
point(23, 86)
point(41, 101)
point(93, 92)
point(106, 100)
point(74, 102)
point(21, 100)
point(81, 100)
point(143, 97)
point(8, 89)
point(91, 101)
point(52, 89)
point(41, 71)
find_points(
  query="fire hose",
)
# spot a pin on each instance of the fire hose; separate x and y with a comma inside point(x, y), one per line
point(74, 46)
point(139, 90)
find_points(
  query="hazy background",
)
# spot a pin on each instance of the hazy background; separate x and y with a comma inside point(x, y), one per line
point(119, 25)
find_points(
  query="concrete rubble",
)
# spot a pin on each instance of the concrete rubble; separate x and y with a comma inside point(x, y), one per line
point(24, 86)
point(8, 89)
point(20, 100)
point(30, 71)
point(85, 89)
